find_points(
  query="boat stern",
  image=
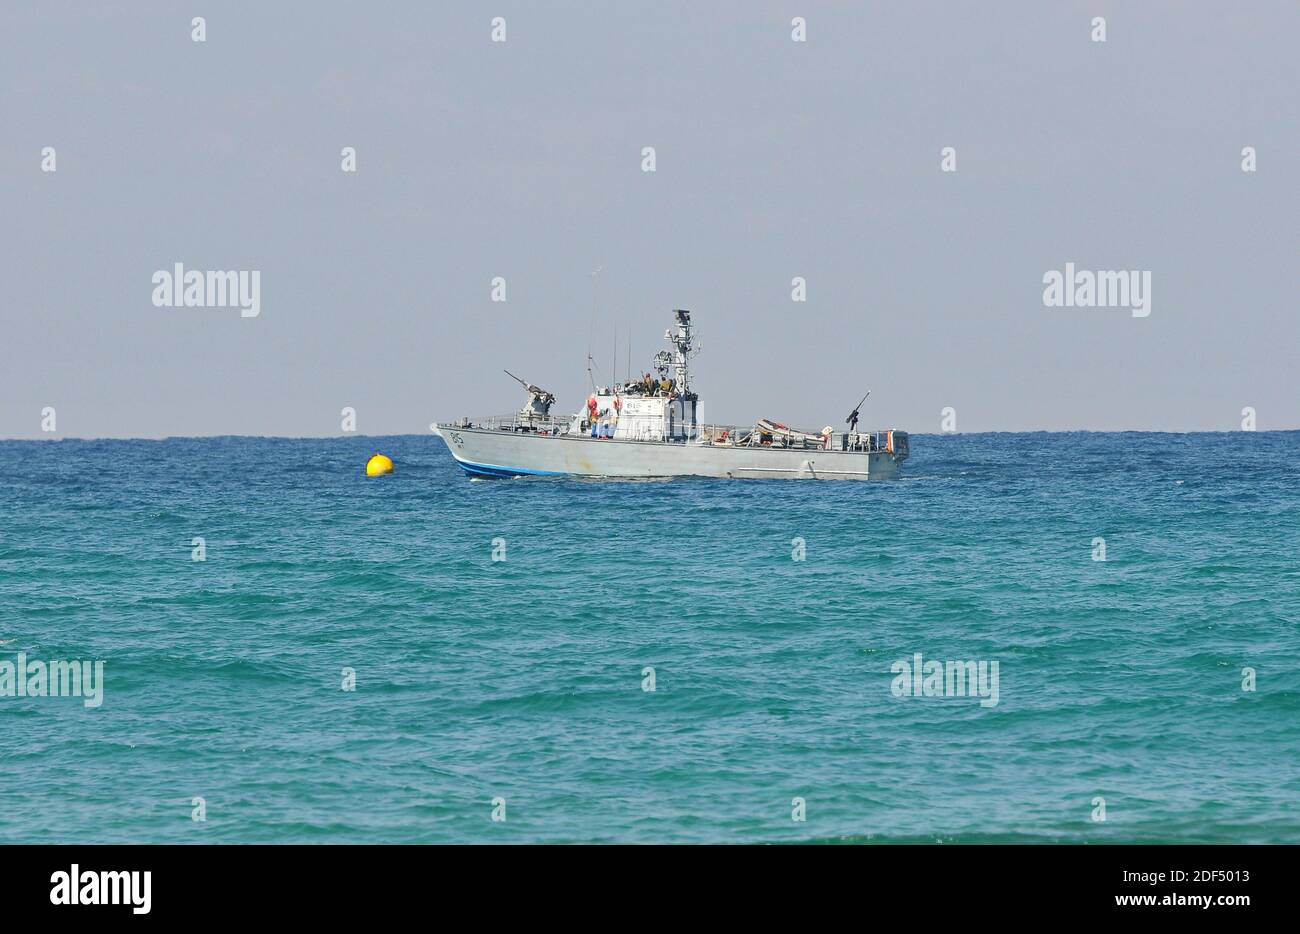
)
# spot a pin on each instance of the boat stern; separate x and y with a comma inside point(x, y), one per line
point(896, 444)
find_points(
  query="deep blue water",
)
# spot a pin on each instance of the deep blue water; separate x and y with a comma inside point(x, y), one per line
point(522, 679)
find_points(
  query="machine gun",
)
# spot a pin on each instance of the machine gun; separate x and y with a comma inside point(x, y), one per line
point(852, 420)
point(539, 403)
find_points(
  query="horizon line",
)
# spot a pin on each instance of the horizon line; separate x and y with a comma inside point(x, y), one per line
point(918, 434)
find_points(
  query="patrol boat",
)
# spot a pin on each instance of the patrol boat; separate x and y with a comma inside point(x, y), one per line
point(650, 428)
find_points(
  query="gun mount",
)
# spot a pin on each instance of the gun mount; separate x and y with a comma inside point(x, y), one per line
point(538, 407)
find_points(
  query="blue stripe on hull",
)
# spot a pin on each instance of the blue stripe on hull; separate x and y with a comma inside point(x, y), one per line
point(494, 470)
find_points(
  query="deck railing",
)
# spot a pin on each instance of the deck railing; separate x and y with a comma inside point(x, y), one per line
point(539, 424)
point(859, 442)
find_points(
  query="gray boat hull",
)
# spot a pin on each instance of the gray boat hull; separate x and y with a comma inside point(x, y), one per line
point(488, 452)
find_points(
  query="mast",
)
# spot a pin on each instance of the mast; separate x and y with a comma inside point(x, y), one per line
point(681, 343)
point(591, 331)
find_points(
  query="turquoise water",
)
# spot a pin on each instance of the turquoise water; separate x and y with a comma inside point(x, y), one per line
point(522, 679)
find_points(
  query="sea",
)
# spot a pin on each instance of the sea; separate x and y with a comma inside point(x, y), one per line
point(295, 652)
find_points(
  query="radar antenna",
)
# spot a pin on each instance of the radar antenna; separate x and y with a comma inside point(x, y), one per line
point(678, 358)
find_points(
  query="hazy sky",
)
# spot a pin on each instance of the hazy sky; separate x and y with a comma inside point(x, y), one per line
point(523, 159)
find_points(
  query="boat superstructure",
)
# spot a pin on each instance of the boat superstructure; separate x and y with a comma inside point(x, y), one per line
point(650, 427)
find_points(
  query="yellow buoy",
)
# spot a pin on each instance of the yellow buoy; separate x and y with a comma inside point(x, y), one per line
point(379, 465)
